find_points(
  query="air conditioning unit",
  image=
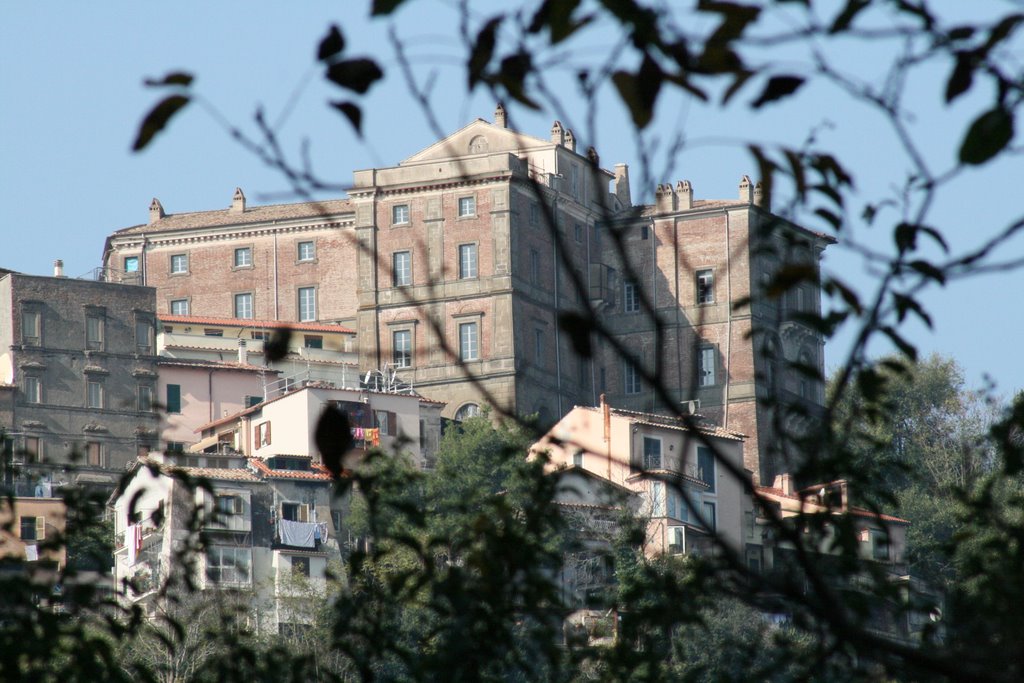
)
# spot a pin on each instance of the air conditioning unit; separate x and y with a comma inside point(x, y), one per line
point(691, 407)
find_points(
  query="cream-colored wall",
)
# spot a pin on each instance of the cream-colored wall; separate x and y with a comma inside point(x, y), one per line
point(52, 510)
point(198, 405)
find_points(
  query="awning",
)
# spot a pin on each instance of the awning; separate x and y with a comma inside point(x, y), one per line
point(203, 444)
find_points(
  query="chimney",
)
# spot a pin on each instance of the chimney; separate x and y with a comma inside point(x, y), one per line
point(156, 210)
point(784, 482)
point(664, 199)
point(761, 196)
point(570, 140)
point(58, 268)
point(238, 201)
point(243, 352)
point(500, 119)
point(746, 191)
point(684, 193)
point(622, 184)
point(557, 133)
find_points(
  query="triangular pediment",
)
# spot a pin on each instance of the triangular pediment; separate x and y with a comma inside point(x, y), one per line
point(478, 137)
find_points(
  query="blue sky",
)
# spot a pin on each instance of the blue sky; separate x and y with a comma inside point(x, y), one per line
point(71, 77)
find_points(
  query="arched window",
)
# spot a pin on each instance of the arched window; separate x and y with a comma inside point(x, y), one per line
point(467, 411)
point(806, 382)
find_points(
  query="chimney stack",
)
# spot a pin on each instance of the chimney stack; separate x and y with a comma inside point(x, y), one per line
point(570, 140)
point(156, 211)
point(58, 268)
point(622, 185)
point(557, 133)
point(664, 198)
point(762, 197)
point(238, 201)
point(500, 118)
point(684, 193)
point(746, 190)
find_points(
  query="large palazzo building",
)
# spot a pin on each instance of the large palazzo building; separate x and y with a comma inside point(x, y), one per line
point(455, 266)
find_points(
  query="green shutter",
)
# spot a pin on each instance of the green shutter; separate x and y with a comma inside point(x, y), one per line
point(173, 398)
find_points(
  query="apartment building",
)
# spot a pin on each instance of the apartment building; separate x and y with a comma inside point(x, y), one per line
point(458, 265)
point(78, 363)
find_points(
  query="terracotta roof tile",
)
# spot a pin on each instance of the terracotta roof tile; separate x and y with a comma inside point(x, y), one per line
point(251, 215)
point(670, 422)
point(317, 471)
point(770, 491)
point(254, 324)
point(230, 474)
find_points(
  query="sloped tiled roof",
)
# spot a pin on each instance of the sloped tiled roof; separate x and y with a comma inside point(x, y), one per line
point(223, 473)
point(669, 422)
point(772, 492)
point(254, 324)
point(252, 214)
point(317, 471)
point(212, 364)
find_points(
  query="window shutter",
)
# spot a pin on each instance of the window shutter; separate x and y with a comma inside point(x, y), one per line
point(40, 528)
point(268, 433)
point(255, 437)
point(304, 512)
point(392, 423)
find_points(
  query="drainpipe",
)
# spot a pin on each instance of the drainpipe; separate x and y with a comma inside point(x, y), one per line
point(142, 266)
point(558, 345)
point(276, 315)
point(728, 325)
point(209, 391)
point(593, 379)
point(654, 308)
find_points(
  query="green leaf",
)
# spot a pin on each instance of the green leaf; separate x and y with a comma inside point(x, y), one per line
point(181, 78)
point(905, 236)
point(512, 75)
point(332, 44)
point(384, 7)
point(929, 271)
point(738, 81)
point(777, 88)
point(353, 113)
point(831, 217)
point(356, 75)
point(483, 50)
point(908, 349)
point(333, 438)
point(277, 347)
point(987, 136)
point(905, 304)
point(640, 91)
point(157, 118)
point(963, 74)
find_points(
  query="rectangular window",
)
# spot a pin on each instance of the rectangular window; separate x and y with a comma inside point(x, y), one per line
point(401, 269)
point(630, 378)
point(467, 206)
point(229, 505)
point(33, 528)
point(705, 287)
point(263, 434)
point(33, 452)
point(706, 367)
point(307, 251)
point(179, 307)
point(469, 342)
point(243, 257)
point(213, 332)
point(467, 261)
point(33, 390)
point(400, 214)
point(31, 328)
point(709, 517)
point(652, 453)
point(228, 564)
point(313, 341)
point(251, 401)
point(534, 267)
point(307, 304)
point(295, 512)
point(144, 336)
point(401, 348)
point(630, 297)
point(93, 454)
point(93, 332)
point(706, 467)
point(145, 398)
point(643, 232)
point(300, 566)
point(94, 395)
point(243, 306)
point(386, 421)
point(173, 398)
point(657, 499)
point(179, 263)
point(131, 264)
point(538, 346)
point(534, 214)
point(574, 180)
point(879, 546)
point(578, 232)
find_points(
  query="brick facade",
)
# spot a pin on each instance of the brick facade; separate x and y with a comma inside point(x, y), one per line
point(538, 234)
